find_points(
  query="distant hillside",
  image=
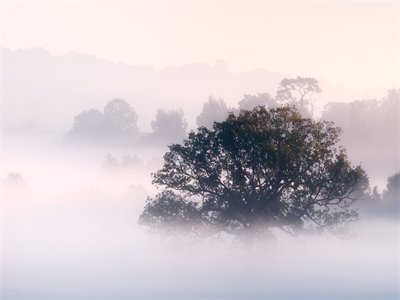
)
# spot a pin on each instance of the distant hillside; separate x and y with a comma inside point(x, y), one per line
point(46, 92)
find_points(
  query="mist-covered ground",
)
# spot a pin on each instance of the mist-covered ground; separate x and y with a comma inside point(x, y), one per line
point(70, 231)
point(91, 94)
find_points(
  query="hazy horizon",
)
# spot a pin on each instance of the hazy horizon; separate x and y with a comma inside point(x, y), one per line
point(344, 43)
point(96, 81)
point(217, 64)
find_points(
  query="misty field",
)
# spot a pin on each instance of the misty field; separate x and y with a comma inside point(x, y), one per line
point(199, 150)
point(70, 232)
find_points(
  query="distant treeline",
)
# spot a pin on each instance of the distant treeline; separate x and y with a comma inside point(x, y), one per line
point(117, 124)
point(367, 124)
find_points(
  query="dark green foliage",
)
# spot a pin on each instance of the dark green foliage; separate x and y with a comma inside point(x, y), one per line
point(260, 169)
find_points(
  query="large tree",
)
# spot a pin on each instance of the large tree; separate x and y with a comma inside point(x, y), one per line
point(254, 171)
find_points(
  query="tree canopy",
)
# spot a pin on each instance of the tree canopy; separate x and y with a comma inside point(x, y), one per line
point(257, 170)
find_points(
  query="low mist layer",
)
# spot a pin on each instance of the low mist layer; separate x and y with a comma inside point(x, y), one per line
point(70, 231)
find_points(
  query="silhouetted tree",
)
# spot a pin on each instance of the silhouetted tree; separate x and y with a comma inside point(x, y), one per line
point(213, 110)
point(260, 169)
point(300, 92)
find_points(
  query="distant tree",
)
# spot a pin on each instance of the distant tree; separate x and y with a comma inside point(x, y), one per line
point(130, 161)
point(126, 162)
point(300, 92)
point(387, 204)
point(367, 125)
point(110, 161)
point(213, 110)
point(251, 101)
point(374, 196)
point(389, 207)
point(122, 116)
point(393, 96)
point(118, 123)
point(15, 179)
point(390, 107)
point(255, 171)
point(169, 126)
point(92, 124)
point(392, 192)
point(391, 196)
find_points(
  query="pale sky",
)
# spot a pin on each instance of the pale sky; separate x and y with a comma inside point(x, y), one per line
point(355, 44)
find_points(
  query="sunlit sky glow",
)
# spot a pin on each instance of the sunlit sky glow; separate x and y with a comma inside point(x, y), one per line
point(355, 44)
